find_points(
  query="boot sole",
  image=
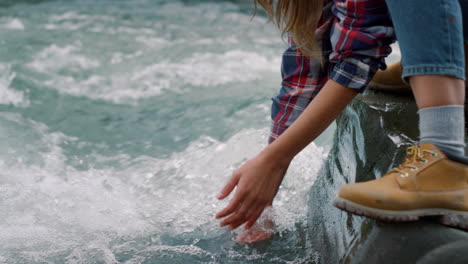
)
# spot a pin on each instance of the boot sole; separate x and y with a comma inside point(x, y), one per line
point(453, 218)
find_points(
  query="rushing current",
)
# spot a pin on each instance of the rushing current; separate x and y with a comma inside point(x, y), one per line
point(121, 120)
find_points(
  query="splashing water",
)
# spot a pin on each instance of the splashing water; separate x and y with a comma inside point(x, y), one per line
point(121, 120)
point(144, 204)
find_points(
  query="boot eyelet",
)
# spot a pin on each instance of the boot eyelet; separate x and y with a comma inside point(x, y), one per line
point(434, 154)
point(424, 161)
point(404, 175)
point(414, 169)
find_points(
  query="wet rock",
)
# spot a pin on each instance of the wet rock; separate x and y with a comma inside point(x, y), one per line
point(371, 137)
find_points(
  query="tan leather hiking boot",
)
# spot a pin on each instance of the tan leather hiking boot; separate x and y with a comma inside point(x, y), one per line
point(426, 184)
point(390, 80)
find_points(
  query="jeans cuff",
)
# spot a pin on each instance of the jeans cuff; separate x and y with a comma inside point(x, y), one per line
point(428, 69)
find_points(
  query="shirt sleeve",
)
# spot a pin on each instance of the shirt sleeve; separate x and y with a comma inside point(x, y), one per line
point(360, 38)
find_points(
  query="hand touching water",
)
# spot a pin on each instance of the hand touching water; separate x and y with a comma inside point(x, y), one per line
point(257, 183)
point(258, 180)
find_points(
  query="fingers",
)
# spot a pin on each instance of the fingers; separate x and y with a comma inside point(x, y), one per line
point(229, 186)
point(233, 205)
point(237, 218)
point(253, 218)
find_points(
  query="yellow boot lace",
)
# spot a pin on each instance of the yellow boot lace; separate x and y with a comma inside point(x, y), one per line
point(414, 154)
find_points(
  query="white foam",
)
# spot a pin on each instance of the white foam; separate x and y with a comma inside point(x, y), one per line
point(67, 16)
point(71, 21)
point(138, 31)
point(200, 69)
point(13, 24)
point(46, 202)
point(68, 21)
point(119, 57)
point(152, 41)
point(73, 15)
point(55, 58)
point(154, 57)
point(7, 94)
point(68, 26)
point(209, 69)
point(49, 204)
point(116, 88)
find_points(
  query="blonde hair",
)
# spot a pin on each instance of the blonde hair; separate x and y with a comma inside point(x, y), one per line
point(298, 18)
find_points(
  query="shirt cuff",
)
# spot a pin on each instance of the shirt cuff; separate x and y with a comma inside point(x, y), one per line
point(353, 73)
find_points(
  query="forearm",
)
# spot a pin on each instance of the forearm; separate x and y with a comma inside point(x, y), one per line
point(318, 115)
point(258, 180)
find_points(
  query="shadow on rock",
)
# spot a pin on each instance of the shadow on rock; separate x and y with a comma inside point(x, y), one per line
point(371, 137)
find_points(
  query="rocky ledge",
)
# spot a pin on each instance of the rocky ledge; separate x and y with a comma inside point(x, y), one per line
point(371, 137)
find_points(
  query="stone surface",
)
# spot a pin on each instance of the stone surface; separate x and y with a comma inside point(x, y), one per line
point(371, 137)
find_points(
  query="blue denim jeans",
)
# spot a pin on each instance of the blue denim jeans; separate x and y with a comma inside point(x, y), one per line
point(430, 35)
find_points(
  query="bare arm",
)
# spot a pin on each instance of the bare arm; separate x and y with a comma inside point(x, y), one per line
point(258, 179)
point(318, 115)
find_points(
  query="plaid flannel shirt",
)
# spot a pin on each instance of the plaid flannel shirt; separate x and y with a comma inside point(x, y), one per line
point(355, 36)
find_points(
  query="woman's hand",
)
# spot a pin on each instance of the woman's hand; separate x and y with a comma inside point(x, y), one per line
point(258, 180)
point(257, 183)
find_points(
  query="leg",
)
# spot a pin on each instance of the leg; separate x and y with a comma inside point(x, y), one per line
point(440, 100)
point(437, 90)
point(435, 69)
point(390, 80)
point(433, 61)
point(428, 183)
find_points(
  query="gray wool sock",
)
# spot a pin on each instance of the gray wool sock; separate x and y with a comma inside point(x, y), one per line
point(444, 126)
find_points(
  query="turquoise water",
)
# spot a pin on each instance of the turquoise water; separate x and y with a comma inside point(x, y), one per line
point(121, 120)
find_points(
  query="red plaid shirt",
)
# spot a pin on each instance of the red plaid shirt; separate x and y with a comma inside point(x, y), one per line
point(355, 36)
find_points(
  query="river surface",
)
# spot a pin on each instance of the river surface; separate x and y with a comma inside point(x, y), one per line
point(121, 120)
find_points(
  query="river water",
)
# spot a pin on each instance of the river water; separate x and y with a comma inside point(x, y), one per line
point(121, 120)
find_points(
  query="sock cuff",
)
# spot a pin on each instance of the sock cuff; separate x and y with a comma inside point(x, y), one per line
point(440, 108)
point(444, 126)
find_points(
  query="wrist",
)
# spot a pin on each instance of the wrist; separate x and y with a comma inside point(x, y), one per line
point(276, 156)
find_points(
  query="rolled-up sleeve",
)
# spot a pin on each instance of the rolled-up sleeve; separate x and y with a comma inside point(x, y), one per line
point(360, 37)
